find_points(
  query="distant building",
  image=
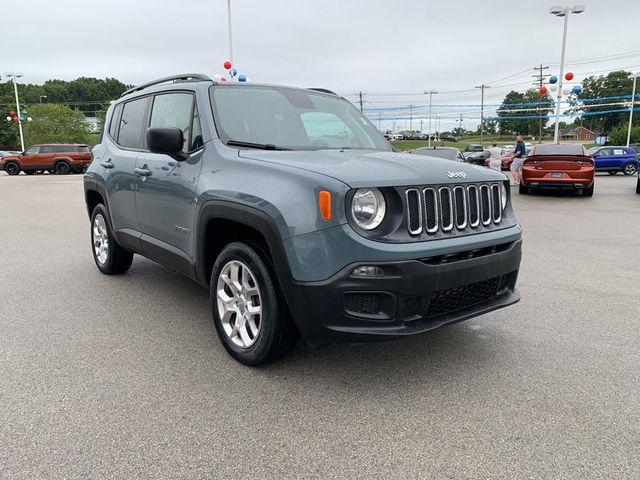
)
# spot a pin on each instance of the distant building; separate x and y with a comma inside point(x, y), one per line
point(578, 134)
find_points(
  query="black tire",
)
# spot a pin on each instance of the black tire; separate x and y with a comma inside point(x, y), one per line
point(29, 172)
point(588, 192)
point(277, 334)
point(12, 168)
point(118, 260)
point(522, 190)
point(62, 167)
point(630, 169)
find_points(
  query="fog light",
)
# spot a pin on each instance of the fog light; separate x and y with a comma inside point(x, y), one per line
point(368, 271)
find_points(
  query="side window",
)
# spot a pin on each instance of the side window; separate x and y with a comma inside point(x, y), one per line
point(115, 121)
point(619, 151)
point(131, 131)
point(32, 151)
point(47, 149)
point(605, 152)
point(173, 110)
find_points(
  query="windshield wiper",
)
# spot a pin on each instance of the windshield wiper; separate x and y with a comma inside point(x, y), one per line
point(262, 146)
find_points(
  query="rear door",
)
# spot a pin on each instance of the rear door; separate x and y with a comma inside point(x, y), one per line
point(118, 162)
point(165, 199)
point(620, 157)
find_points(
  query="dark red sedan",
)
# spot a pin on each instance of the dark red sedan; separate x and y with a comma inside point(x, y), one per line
point(560, 166)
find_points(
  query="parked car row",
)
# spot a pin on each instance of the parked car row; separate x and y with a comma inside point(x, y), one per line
point(52, 158)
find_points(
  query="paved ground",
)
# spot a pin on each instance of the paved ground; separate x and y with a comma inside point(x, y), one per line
point(124, 377)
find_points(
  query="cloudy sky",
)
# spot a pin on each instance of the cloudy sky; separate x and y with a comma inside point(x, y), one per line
point(377, 47)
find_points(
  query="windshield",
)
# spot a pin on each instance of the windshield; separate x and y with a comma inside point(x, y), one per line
point(553, 149)
point(593, 150)
point(292, 119)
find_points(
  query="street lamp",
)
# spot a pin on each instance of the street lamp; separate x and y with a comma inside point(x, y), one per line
point(431, 93)
point(13, 77)
point(562, 11)
point(229, 22)
point(41, 97)
point(633, 97)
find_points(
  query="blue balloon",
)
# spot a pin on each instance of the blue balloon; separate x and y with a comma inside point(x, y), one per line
point(553, 79)
point(576, 89)
point(24, 112)
point(234, 72)
point(242, 78)
point(21, 120)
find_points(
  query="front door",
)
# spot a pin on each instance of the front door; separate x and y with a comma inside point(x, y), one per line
point(603, 159)
point(31, 158)
point(166, 197)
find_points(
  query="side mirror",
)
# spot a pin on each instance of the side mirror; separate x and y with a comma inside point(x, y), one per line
point(165, 140)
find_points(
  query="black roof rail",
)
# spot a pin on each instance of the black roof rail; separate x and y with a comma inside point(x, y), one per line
point(173, 78)
point(324, 90)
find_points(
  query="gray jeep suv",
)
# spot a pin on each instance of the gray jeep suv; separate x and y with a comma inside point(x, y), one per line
point(295, 212)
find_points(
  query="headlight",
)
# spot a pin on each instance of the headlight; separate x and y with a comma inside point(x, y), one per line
point(368, 208)
point(504, 196)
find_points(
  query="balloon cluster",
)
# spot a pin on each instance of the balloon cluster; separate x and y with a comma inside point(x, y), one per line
point(553, 85)
point(15, 118)
point(233, 73)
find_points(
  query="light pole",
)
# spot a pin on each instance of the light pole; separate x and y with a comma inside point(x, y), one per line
point(230, 37)
point(13, 77)
point(562, 11)
point(633, 97)
point(482, 87)
point(430, 92)
point(41, 97)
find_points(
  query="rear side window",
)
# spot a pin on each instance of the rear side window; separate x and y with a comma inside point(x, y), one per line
point(115, 121)
point(176, 110)
point(84, 149)
point(620, 151)
point(131, 124)
point(47, 149)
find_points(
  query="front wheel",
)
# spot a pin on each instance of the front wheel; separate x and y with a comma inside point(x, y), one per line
point(630, 169)
point(249, 312)
point(12, 168)
point(109, 256)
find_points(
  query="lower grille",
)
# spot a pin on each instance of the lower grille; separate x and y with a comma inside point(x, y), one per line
point(363, 303)
point(452, 299)
point(411, 307)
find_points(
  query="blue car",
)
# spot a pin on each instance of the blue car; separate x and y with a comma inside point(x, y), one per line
point(615, 159)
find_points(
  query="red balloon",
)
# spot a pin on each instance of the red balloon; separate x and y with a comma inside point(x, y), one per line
point(227, 65)
point(543, 90)
point(223, 79)
point(16, 119)
point(568, 76)
point(12, 113)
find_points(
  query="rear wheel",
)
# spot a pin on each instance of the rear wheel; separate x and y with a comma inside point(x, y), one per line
point(12, 168)
point(522, 189)
point(62, 168)
point(588, 192)
point(630, 169)
point(109, 256)
point(248, 309)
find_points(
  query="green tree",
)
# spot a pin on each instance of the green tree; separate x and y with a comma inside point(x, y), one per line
point(613, 84)
point(56, 124)
point(618, 136)
point(8, 135)
point(510, 125)
point(489, 127)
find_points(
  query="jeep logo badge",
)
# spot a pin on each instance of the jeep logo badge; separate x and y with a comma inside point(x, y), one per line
point(456, 174)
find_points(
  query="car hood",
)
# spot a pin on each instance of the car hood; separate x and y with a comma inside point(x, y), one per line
point(366, 168)
point(10, 157)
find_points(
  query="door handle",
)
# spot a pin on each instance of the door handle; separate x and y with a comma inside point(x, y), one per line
point(143, 172)
point(106, 164)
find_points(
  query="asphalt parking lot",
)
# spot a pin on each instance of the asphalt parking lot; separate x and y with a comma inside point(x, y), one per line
point(124, 377)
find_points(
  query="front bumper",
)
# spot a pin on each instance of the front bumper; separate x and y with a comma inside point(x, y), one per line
point(413, 296)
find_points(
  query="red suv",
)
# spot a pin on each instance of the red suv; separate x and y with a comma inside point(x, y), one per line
point(58, 158)
point(558, 166)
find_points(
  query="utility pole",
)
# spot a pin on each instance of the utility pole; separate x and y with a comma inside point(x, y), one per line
point(420, 125)
point(460, 124)
point(411, 118)
point(230, 36)
point(380, 121)
point(13, 77)
point(539, 82)
point(482, 87)
point(361, 102)
point(430, 92)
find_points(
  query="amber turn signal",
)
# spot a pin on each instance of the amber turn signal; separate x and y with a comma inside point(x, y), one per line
point(324, 202)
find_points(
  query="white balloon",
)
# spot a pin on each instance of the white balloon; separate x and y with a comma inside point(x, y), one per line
point(29, 119)
point(553, 87)
point(8, 119)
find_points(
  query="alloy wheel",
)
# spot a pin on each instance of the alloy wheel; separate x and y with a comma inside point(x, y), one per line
point(239, 303)
point(629, 169)
point(100, 239)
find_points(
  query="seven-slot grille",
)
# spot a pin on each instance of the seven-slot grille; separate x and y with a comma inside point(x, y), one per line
point(434, 209)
